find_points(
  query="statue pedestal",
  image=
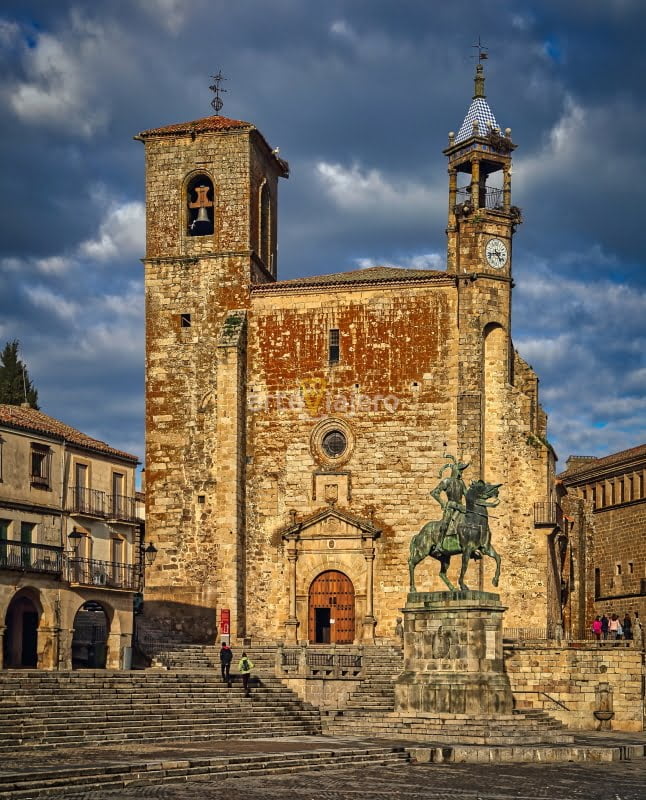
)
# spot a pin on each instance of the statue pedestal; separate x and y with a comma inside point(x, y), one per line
point(453, 662)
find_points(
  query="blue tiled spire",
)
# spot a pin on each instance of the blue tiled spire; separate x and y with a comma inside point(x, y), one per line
point(478, 110)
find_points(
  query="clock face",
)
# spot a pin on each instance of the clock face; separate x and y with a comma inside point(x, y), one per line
point(496, 253)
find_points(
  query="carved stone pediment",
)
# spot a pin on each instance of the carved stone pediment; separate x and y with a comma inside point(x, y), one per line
point(330, 523)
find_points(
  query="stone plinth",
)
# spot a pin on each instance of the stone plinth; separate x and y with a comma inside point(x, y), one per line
point(453, 661)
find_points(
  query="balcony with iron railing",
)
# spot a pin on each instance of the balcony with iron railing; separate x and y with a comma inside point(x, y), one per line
point(27, 557)
point(489, 197)
point(103, 574)
point(122, 508)
point(86, 502)
point(93, 503)
point(548, 514)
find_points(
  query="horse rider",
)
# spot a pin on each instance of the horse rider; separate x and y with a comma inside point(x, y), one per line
point(455, 490)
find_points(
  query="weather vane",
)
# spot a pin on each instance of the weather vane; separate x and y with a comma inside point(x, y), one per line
point(217, 103)
point(482, 54)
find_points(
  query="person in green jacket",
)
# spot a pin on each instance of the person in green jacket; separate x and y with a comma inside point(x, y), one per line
point(245, 665)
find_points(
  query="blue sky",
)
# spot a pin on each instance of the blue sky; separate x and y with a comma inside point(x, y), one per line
point(359, 95)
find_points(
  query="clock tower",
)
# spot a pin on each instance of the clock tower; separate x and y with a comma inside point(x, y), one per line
point(481, 223)
point(481, 218)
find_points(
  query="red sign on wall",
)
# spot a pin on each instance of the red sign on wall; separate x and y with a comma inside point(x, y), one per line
point(225, 621)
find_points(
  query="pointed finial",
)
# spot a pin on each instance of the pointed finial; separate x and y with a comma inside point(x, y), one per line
point(479, 78)
point(217, 102)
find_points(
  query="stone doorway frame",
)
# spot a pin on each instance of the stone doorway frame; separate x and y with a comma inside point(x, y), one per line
point(329, 539)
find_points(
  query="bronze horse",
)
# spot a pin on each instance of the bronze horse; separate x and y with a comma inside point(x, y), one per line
point(471, 538)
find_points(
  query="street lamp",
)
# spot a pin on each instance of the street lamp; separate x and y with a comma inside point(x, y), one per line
point(75, 540)
point(149, 553)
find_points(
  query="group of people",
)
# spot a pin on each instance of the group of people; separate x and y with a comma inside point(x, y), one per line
point(245, 665)
point(611, 627)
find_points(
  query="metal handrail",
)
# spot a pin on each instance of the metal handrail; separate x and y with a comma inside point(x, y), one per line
point(28, 557)
point(490, 197)
point(103, 574)
point(90, 502)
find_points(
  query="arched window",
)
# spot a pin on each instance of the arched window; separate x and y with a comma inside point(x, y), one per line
point(200, 206)
point(265, 226)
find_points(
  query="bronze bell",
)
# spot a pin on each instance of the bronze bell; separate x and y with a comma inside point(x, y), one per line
point(202, 215)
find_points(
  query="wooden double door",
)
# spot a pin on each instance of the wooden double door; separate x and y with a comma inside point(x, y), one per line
point(331, 609)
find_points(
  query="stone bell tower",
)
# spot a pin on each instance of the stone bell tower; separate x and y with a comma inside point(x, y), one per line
point(211, 211)
point(481, 223)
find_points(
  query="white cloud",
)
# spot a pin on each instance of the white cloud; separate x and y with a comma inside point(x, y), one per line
point(343, 30)
point(171, 14)
point(419, 261)
point(369, 192)
point(57, 90)
point(45, 299)
point(121, 233)
point(54, 265)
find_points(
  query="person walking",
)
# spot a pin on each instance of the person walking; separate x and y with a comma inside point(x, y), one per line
point(596, 627)
point(245, 665)
point(226, 657)
point(604, 626)
point(613, 626)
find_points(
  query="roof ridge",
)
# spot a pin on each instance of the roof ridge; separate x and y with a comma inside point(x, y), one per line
point(37, 421)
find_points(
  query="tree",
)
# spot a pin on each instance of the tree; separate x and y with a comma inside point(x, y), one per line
point(15, 385)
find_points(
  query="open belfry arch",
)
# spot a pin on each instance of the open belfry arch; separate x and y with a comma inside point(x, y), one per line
point(295, 429)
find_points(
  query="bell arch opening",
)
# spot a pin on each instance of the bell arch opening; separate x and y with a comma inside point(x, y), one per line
point(331, 617)
point(200, 205)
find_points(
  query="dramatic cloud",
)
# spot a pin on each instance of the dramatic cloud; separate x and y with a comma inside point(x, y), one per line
point(360, 97)
point(121, 234)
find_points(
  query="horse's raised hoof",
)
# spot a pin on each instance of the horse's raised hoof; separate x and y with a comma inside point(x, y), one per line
point(464, 587)
point(495, 581)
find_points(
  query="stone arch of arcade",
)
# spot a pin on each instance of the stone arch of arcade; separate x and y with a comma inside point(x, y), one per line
point(22, 619)
point(96, 629)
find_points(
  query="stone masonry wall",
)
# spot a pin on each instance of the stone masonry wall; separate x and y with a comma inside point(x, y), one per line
point(576, 678)
point(397, 342)
point(620, 555)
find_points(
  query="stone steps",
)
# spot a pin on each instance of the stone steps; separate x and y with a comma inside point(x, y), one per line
point(449, 729)
point(54, 709)
point(74, 781)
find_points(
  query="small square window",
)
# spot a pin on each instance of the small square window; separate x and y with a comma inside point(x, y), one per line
point(201, 498)
point(185, 320)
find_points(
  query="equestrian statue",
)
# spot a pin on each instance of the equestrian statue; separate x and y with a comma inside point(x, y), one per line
point(463, 529)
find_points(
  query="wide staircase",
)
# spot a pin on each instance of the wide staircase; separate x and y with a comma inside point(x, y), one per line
point(41, 709)
point(369, 710)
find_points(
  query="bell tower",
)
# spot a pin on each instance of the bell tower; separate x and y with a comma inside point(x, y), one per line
point(481, 223)
point(481, 219)
point(211, 224)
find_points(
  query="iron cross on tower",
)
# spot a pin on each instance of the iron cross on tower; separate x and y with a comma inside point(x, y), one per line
point(215, 87)
point(482, 50)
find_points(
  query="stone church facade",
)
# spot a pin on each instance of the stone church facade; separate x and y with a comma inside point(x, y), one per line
point(295, 429)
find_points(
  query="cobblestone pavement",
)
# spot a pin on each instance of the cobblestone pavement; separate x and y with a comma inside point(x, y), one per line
point(569, 781)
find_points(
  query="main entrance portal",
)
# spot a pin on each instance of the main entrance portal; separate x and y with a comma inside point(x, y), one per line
point(331, 609)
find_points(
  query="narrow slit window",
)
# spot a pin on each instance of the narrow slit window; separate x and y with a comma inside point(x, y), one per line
point(334, 349)
point(185, 320)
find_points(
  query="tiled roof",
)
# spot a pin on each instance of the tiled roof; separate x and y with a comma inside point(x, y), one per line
point(600, 464)
point(212, 124)
point(31, 420)
point(204, 125)
point(479, 110)
point(369, 275)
